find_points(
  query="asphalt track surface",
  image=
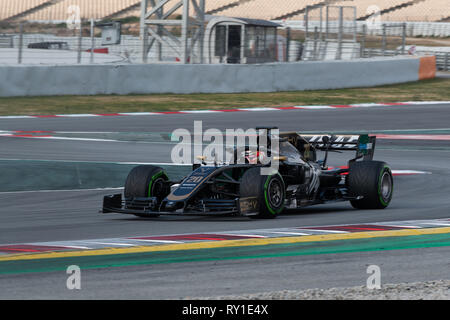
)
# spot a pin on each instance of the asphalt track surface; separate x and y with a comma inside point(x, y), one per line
point(72, 215)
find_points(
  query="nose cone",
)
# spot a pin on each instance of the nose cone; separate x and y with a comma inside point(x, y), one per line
point(174, 187)
point(171, 206)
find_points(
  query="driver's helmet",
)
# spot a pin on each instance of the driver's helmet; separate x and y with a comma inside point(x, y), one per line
point(253, 157)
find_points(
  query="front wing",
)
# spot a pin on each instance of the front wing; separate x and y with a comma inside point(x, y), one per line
point(207, 207)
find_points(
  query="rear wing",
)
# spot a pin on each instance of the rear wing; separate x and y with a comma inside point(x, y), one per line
point(363, 144)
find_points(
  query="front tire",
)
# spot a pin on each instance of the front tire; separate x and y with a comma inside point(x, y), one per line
point(373, 181)
point(269, 190)
point(145, 182)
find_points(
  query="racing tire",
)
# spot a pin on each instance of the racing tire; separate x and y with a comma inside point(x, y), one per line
point(145, 181)
point(373, 181)
point(268, 189)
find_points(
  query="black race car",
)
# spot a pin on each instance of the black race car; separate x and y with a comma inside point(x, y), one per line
point(240, 189)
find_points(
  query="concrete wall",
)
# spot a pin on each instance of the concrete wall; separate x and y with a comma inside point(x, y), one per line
point(175, 78)
point(28, 175)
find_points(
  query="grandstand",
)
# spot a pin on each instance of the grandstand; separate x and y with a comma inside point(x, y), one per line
point(365, 8)
point(11, 9)
point(57, 10)
point(429, 10)
point(211, 7)
point(96, 9)
point(266, 9)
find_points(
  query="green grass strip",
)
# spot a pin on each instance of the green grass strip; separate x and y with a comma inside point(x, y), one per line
point(426, 90)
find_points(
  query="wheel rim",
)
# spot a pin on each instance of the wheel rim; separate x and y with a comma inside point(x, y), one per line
point(386, 186)
point(157, 187)
point(275, 193)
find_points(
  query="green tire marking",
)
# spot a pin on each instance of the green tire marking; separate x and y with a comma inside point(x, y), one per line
point(156, 176)
point(379, 187)
point(267, 200)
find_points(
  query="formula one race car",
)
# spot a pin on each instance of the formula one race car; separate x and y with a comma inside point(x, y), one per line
point(240, 189)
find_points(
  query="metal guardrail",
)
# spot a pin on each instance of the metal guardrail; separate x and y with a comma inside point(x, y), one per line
point(6, 41)
point(443, 61)
point(413, 29)
point(442, 58)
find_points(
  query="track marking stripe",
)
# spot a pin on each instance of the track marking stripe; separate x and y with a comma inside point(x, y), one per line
point(138, 113)
point(323, 230)
point(16, 117)
point(290, 233)
point(226, 243)
point(77, 247)
point(78, 115)
point(408, 172)
point(314, 107)
point(201, 111)
point(259, 109)
point(360, 105)
point(156, 241)
point(426, 102)
point(68, 190)
point(47, 116)
point(112, 243)
point(243, 235)
point(368, 105)
point(406, 227)
point(343, 106)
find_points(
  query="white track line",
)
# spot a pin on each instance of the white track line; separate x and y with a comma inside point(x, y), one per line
point(139, 113)
point(368, 105)
point(157, 241)
point(201, 111)
point(78, 115)
point(259, 109)
point(17, 117)
point(437, 224)
point(321, 230)
point(101, 162)
point(426, 102)
point(240, 235)
point(112, 243)
point(71, 190)
point(74, 139)
point(406, 172)
point(397, 226)
point(290, 233)
point(315, 107)
point(73, 247)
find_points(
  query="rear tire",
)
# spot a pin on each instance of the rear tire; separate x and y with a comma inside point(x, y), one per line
point(373, 181)
point(269, 190)
point(144, 182)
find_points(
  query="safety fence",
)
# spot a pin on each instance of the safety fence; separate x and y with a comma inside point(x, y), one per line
point(229, 42)
point(313, 30)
